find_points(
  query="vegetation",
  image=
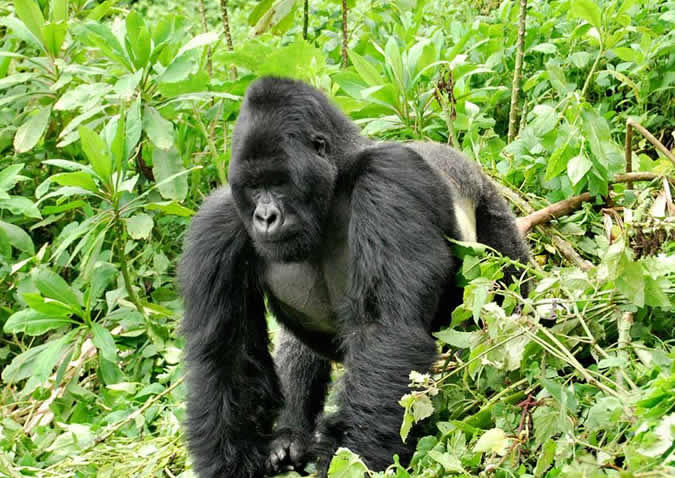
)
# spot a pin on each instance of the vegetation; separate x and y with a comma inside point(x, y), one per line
point(115, 121)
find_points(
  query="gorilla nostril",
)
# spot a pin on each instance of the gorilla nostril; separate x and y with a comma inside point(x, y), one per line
point(266, 218)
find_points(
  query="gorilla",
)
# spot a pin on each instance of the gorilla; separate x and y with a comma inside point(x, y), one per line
point(344, 241)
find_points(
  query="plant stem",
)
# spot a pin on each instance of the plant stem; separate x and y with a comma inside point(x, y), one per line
point(202, 14)
point(124, 265)
point(344, 33)
point(228, 33)
point(590, 73)
point(305, 20)
point(515, 86)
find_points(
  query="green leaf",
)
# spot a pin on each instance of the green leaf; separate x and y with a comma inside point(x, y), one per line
point(546, 119)
point(21, 206)
point(545, 458)
point(577, 167)
point(493, 441)
point(164, 165)
point(547, 48)
point(629, 54)
point(53, 35)
point(10, 176)
point(104, 342)
point(346, 464)
point(139, 226)
point(37, 362)
point(366, 71)
point(18, 238)
point(16, 79)
point(29, 133)
point(58, 10)
point(451, 464)
point(137, 40)
point(52, 285)
point(100, 36)
point(158, 129)
point(587, 10)
point(32, 322)
point(97, 152)
point(79, 179)
point(462, 340)
point(169, 207)
point(48, 307)
point(30, 14)
point(134, 127)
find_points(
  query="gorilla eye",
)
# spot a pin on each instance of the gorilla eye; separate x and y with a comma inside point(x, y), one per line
point(319, 145)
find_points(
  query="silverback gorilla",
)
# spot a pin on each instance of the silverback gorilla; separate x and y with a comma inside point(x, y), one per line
point(345, 241)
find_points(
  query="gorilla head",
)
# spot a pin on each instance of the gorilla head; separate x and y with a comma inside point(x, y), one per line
point(287, 148)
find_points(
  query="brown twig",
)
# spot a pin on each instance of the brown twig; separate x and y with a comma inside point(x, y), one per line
point(205, 28)
point(629, 151)
point(652, 139)
point(562, 208)
point(567, 251)
point(344, 33)
point(305, 20)
point(515, 87)
point(228, 33)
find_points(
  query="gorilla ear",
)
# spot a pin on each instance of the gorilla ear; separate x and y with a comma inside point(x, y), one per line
point(320, 145)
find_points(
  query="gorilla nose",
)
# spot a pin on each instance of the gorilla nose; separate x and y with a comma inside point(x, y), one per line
point(267, 218)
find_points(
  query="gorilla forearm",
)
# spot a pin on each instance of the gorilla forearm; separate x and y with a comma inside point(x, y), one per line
point(232, 397)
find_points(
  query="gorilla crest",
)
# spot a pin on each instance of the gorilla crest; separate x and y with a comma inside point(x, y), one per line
point(345, 241)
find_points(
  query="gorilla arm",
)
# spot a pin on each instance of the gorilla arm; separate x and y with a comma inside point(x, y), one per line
point(399, 262)
point(233, 390)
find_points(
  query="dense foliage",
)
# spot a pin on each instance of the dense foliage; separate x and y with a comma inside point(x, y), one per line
point(115, 121)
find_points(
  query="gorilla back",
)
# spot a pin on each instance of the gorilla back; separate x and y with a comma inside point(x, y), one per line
point(346, 238)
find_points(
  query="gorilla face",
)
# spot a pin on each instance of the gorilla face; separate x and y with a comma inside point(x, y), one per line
point(282, 185)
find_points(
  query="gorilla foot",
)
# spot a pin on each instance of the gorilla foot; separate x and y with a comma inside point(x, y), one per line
point(287, 451)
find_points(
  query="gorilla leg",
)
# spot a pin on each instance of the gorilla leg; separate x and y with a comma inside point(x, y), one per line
point(304, 381)
point(496, 227)
point(378, 362)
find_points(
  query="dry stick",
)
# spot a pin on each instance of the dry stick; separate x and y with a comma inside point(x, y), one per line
point(228, 34)
point(305, 20)
point(568, 252)
point(657, 144)
point(515, 87)
point(202, 14)
point(344, 33)
point(561, 208)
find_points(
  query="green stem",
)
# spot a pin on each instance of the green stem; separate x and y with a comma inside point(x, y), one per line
point(591, 73)
point(124, 265)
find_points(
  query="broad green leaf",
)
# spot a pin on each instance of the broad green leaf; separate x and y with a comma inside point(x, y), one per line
point(21, 31)
point(29, 133)
point(346, 464)
point(164, 165)
point(30, 14)
point(158, 129)
point(16, 79)
point(118, 146)
point(18, 238)
point(37, 362)
point(97, 152)
point(180, 67)
point(101, 10)
point(10, 176)
point(32, 322)
point(577, 167)
point(21, 206)
point(58, 10)
point(100, 36)
point(104, 342)
point(581, 59)
point(493, 441)
point(137, 40)
point(393, 58)
point(199, 41)
point(557, 78)
point(127, 84)
point(53, 35)
point(545, 458)
point(629, 54)
point(365, 69)
point(139, 226)
point(82, 95)
point(50, 307)
point(546, 119)
point(547, 48)
point(459, 339)
point(169, 207)
point(52, 285)
point(587, 10)
point(78, 178)
point(451, 463)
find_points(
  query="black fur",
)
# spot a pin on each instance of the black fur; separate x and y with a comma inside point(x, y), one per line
point(391, 206)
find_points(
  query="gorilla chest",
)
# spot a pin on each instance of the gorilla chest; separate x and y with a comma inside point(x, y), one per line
point(310, 292)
